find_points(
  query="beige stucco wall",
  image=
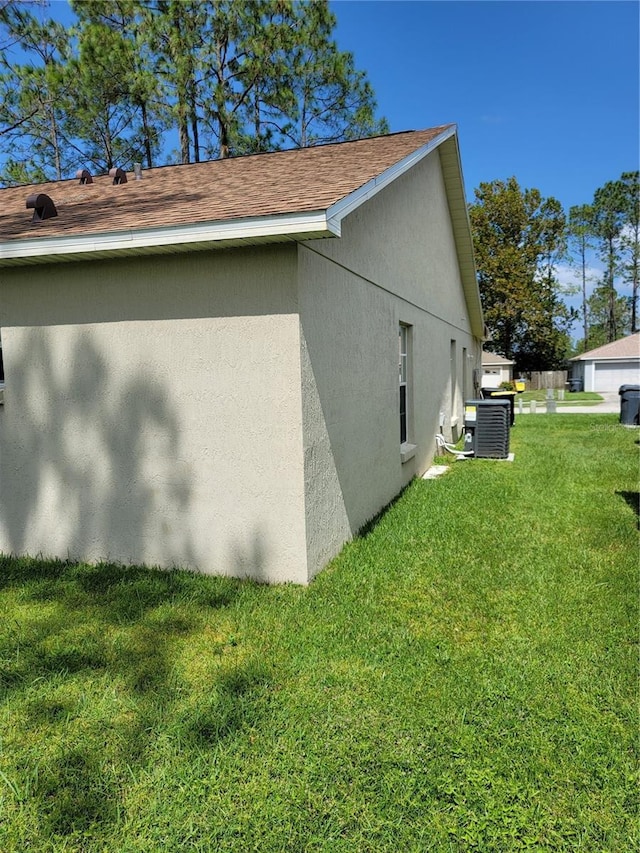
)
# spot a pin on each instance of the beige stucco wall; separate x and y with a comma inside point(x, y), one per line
point(152, 412)
point(395, 263)
point(232, 411)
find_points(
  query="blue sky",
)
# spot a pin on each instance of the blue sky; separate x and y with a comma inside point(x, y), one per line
point(545, 91)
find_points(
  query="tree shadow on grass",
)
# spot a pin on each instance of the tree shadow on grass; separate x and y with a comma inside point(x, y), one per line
point(91, 679)
point(633, 499)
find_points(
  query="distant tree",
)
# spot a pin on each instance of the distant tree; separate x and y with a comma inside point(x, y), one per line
point(246, 51)
point(518, 239)
point(322, 97)
point(34, 96)
point(119, 94)
point(231, 76)
point(609, 207)
point(103, 116)
point(580, 239)
point(257, 75)
point(599, 307)
point(175, 32)
point(630, 238)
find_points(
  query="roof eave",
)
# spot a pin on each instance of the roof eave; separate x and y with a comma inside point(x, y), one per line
point(605, 358)
point(181, 238)
point(454, 185)
point(447, 143)
point(342, 208)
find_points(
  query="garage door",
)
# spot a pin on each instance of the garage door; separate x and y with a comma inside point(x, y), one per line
point(611, 375)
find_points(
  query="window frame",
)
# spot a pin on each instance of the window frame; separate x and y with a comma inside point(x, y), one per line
point(405, 402)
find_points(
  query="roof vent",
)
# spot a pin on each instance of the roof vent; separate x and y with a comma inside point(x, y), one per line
point(43, 207)
point(119, 175)
point(137, 171)
point(84, 176)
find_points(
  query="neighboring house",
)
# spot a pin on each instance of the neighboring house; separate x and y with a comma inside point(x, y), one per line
point(608, 367)
point(233, 365)
point(495, 369)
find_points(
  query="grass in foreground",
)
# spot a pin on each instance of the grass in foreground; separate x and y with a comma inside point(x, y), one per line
point(461, 678)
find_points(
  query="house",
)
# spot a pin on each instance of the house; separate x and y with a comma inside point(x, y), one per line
point(232, 365)
point(608, 367)
point(495, 370)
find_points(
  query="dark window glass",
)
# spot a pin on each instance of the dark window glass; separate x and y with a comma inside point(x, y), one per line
point(403, 414)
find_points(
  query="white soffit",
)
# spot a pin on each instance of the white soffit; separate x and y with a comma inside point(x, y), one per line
point(179, 238)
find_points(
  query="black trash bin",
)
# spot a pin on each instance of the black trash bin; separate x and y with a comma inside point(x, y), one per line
point(490, 393)
point(629, 404)
point(575, 385)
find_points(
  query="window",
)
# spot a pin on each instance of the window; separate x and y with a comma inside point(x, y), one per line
point(1, 375)
point(453, 381)
point(405, 343)
point(465, 374)
point(403, 369)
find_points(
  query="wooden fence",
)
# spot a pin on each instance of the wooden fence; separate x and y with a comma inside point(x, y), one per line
point(541, 379)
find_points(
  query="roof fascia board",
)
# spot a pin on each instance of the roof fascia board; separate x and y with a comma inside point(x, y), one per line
point(302, 225)
point(337, 212)
point(606, 358)
point(451, 165)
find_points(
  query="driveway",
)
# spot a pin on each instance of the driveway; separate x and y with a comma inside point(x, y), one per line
point(609, 405)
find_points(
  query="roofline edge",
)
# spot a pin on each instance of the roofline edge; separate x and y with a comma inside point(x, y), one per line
point(340, 209)
point(304, 226)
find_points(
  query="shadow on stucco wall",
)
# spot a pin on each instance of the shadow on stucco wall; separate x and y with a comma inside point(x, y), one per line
point(89, 464)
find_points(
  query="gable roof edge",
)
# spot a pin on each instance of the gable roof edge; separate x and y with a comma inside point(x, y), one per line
point(340, 209)
point(447, 144)
point(459, 211)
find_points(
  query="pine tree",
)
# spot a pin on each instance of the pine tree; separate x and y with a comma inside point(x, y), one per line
point(34, 96)
point(322, 97)
point(580, 234)
point(599, 306)
point(111, 35)
point(609, 204)
point(630, 237)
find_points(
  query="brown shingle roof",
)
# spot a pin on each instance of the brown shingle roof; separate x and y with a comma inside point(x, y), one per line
point(296, 181)
point(493, 358)
point(628, 347)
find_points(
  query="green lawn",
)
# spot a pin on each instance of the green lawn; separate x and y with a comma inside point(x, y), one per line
point(570, 399)
point(462, 678)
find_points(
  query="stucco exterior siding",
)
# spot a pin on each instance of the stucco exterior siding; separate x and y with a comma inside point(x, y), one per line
point(395, 263)
point(349, 404)
point(402, 239)
point(152, 413)
point(212, 381)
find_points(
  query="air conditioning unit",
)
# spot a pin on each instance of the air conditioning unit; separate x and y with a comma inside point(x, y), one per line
point(488, 421)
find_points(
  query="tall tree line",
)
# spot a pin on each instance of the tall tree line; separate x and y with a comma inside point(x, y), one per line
point(610, 225)
point(520, 241)
point(222, 77)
